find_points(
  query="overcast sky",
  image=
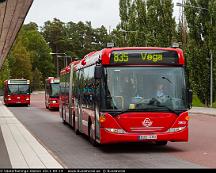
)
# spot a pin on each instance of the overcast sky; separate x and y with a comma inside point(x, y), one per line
point(99, 12)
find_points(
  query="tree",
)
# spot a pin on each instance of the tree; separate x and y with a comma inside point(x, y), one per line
point(160, 22)
point(75, 39)
point(200, 44)
point(39, 50)
point(4, 73)
point(37, 83)
point(147, 22)
point(20, 64)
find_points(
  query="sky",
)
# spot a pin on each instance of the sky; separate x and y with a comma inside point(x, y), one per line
point(99, 12)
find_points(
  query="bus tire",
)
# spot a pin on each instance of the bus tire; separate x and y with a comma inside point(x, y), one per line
point(63, 120)
point(77, 131)
point(73, 122)
point(91, 136)
point(161, 143)
point(76, 128)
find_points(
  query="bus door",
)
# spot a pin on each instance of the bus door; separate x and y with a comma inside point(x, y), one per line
point(71, 99)
point(80, 99)
point(66, 101)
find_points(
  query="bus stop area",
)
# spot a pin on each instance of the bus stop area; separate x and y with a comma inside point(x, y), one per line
point(19, 148)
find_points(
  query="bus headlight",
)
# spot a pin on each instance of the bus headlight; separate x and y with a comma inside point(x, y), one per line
point(9, 98)
point(112, 130)
point(53, 101)
point(171, 130)
point(27, 99)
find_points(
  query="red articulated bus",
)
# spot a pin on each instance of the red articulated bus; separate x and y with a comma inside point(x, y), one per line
point(17, 91)
point(52, 93)
point(133, 94)
point(66, 99)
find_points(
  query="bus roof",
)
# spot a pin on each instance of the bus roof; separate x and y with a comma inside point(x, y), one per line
point(67, 68)
point(174, 55)
point(17, 81)
point(52, 80)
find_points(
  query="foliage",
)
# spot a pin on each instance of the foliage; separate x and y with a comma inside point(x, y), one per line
point(20, 62)
point(39, 50)
point(4, 73)
point(197, 102)
point(74, 39)
point(200, 44)
point(30, 53)
point(146, 23)
point(37, 83)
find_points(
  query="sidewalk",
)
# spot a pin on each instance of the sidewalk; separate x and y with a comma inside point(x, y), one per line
point(203, 110)
point(23, 148)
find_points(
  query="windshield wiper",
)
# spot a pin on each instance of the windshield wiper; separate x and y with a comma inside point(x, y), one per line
point(163, 77)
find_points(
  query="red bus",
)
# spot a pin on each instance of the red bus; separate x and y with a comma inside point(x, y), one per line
point(134, 94)
point(66, 99)
point(17, 91)
point(52, 93)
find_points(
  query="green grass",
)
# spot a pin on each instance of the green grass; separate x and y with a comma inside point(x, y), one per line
point(196, 102)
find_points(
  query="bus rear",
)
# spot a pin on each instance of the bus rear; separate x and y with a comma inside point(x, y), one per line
point(52, 93)
point(17, 91)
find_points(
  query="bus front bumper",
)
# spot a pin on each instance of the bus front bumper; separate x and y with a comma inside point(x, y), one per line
point(13, 102)
point(107, 137)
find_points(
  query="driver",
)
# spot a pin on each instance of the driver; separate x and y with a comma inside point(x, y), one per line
point(160, 91)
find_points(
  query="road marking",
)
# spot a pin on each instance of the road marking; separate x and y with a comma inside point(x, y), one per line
point(23, 149)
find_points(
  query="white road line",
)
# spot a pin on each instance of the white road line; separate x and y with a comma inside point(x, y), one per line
point(23, 149)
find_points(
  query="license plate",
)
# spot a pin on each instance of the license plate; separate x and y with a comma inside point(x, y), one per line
point(147, 137)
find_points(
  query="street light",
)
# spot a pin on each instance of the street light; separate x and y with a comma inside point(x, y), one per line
point(57, 60)
point(211, 54)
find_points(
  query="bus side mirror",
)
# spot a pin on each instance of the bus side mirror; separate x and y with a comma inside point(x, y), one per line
point(98, 72)
point(190, 98)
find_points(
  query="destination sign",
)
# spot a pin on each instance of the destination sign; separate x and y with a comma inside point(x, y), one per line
point(148, 57)
point(20, 81)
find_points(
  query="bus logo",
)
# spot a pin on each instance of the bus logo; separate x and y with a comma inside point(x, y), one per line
point(147, 122)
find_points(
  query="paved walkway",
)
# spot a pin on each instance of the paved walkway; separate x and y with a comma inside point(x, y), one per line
point(203, 110)
point(20, 149)
point(23, 150)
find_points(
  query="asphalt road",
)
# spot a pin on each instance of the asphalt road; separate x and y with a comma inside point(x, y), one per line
point(76, 152)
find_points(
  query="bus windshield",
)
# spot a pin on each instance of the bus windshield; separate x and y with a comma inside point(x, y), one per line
point(54, 90)
point(144, 89)
point(18, 89)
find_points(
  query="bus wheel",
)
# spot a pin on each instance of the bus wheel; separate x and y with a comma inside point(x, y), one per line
point(91, 136)
point(63, 120)
point(161, 143)
point(73, 122)
point(76, 129)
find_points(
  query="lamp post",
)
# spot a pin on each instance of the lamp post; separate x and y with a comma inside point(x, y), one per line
point(211, 53)
point(57, 60)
